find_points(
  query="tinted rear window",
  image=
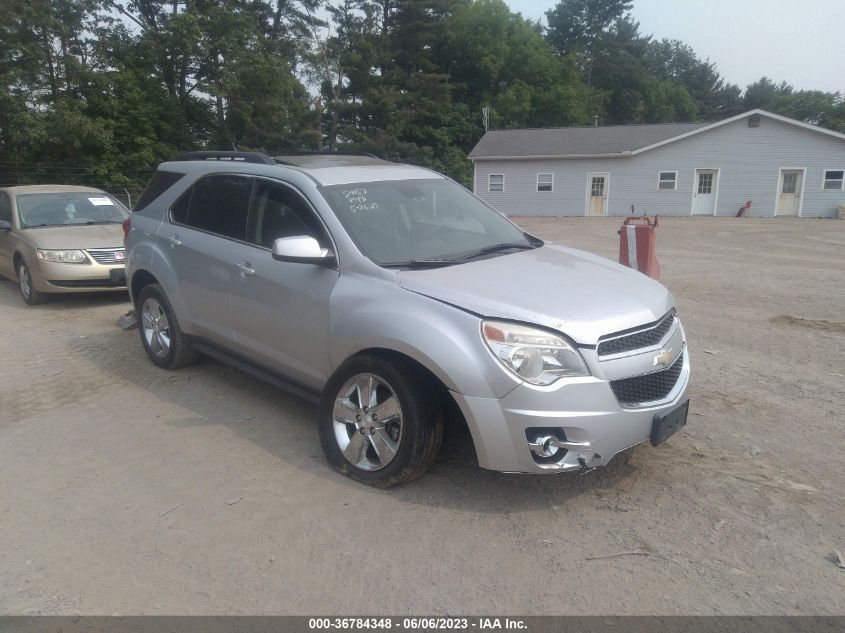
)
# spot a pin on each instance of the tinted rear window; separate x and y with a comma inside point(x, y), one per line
point(217, 204)
point(159, 183)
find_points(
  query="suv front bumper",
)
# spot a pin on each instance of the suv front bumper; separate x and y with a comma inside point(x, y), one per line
point(584, 411)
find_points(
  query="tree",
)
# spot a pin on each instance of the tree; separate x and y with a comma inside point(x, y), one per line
point(496, 58)
point(674, 61)
point(576, 26)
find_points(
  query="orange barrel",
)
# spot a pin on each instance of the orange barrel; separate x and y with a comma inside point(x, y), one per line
point(638, 245)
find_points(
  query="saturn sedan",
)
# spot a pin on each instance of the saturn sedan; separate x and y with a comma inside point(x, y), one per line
point(60, 238)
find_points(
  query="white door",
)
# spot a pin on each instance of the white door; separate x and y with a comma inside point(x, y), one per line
point(597, 186)
point(789, 192)
point(704, 191)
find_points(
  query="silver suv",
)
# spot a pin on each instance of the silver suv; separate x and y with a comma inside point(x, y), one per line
point(389, 294)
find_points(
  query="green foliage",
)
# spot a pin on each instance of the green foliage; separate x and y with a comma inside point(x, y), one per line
point(99, 91)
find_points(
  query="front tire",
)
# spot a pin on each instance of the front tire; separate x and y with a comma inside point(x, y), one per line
point(30, 295)
point(380, 421)
point(161, 336)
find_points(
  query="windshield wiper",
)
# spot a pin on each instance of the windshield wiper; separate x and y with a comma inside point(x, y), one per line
point(495, 248)
point(421, 263)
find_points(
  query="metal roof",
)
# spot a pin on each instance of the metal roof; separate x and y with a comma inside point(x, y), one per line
point(577, 141)
point(608, 140)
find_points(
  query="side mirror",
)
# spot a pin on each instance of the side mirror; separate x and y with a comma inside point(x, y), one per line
point(302, 249)
point(5, 225)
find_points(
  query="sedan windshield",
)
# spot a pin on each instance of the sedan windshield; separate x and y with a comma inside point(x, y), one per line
point(417, 223)
point(68, 209)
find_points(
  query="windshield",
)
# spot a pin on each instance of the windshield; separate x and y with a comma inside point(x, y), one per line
point(398, 222)
point(68, 209)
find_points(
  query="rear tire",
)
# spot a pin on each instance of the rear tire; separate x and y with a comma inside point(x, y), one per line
point(380, 421)
point(162, 337)
point(30, 295)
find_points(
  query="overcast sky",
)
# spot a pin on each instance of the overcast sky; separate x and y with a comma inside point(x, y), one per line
point(797, 42)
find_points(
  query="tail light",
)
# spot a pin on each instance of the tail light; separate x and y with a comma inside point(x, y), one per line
point(127, 224)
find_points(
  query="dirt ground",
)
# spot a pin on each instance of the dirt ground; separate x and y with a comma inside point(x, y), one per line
point(128, 489)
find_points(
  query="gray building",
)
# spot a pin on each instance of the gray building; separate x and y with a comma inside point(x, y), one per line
point(782, 166)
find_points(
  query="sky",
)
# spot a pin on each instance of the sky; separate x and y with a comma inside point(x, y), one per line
point(797, 42)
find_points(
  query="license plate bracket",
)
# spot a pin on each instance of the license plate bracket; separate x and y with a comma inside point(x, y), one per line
point(665, 425)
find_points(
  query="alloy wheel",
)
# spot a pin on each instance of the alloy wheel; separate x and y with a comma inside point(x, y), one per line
point(367, 422)
point(156, 328)
point(25, 281)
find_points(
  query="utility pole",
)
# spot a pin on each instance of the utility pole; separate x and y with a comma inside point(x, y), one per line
point(485, 116)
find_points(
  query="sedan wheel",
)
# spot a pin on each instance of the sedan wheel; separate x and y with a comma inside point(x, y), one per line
point(30, 295)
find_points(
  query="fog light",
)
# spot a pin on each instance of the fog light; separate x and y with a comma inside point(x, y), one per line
point(545, 444)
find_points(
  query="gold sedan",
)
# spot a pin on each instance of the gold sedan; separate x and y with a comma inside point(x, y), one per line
point(60, 238)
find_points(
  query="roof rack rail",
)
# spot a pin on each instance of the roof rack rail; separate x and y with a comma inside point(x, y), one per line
point(240, 157)
point(281, 158)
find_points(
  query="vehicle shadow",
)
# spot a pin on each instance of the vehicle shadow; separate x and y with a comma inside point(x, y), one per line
point(10, 295)
point(455, 479)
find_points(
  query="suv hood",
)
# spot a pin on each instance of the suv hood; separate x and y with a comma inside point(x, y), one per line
point(76, 237)
point(584, 296)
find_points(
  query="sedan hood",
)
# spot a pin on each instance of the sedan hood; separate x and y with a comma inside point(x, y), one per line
point(579, 294)
point(76, 237)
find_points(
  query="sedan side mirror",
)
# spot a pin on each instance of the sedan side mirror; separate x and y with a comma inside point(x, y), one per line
point(5, 225)
point(302, 249)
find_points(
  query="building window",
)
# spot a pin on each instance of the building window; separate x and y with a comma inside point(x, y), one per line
point(545, 182)
point(667, 181)
point(496, 182)
point(833, 179)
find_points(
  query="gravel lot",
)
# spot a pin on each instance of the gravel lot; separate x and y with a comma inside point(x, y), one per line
point(128, 489)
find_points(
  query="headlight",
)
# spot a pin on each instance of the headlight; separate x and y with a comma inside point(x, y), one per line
point(63, 257)
point(532, 354)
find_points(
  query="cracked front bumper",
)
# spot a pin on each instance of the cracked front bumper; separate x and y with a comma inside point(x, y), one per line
point(584, 411)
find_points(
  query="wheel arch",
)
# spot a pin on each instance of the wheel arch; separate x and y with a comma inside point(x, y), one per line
point(17, 258)
point(140, 279)
point(451, 410)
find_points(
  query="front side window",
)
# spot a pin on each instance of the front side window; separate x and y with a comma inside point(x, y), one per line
point(496, 182)
point(667, 181)
point(278, 211)
point(545, 182)
point(5, 207)
point(420, 220)
point(69, 209)
point(833, 179)
point(217, 204)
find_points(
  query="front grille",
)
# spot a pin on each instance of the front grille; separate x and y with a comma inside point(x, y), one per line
point(107, 255)
point(637, 340)
point(648, 387)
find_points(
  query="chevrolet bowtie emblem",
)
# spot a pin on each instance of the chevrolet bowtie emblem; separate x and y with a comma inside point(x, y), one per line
point(664, 358)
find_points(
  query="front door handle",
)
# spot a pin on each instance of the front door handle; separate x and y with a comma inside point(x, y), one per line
point(174, 241)
point(245, 269)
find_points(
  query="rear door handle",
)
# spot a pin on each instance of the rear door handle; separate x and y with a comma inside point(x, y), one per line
point(245, 269)
point(174, 241)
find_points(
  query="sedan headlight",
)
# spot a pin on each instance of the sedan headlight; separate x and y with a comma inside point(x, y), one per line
point(535, 355)
point(62, 257)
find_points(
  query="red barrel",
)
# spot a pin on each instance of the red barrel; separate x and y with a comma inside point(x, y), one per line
point(638, 245)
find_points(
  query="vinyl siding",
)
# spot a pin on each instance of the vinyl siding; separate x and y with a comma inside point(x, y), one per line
point(748, 160)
